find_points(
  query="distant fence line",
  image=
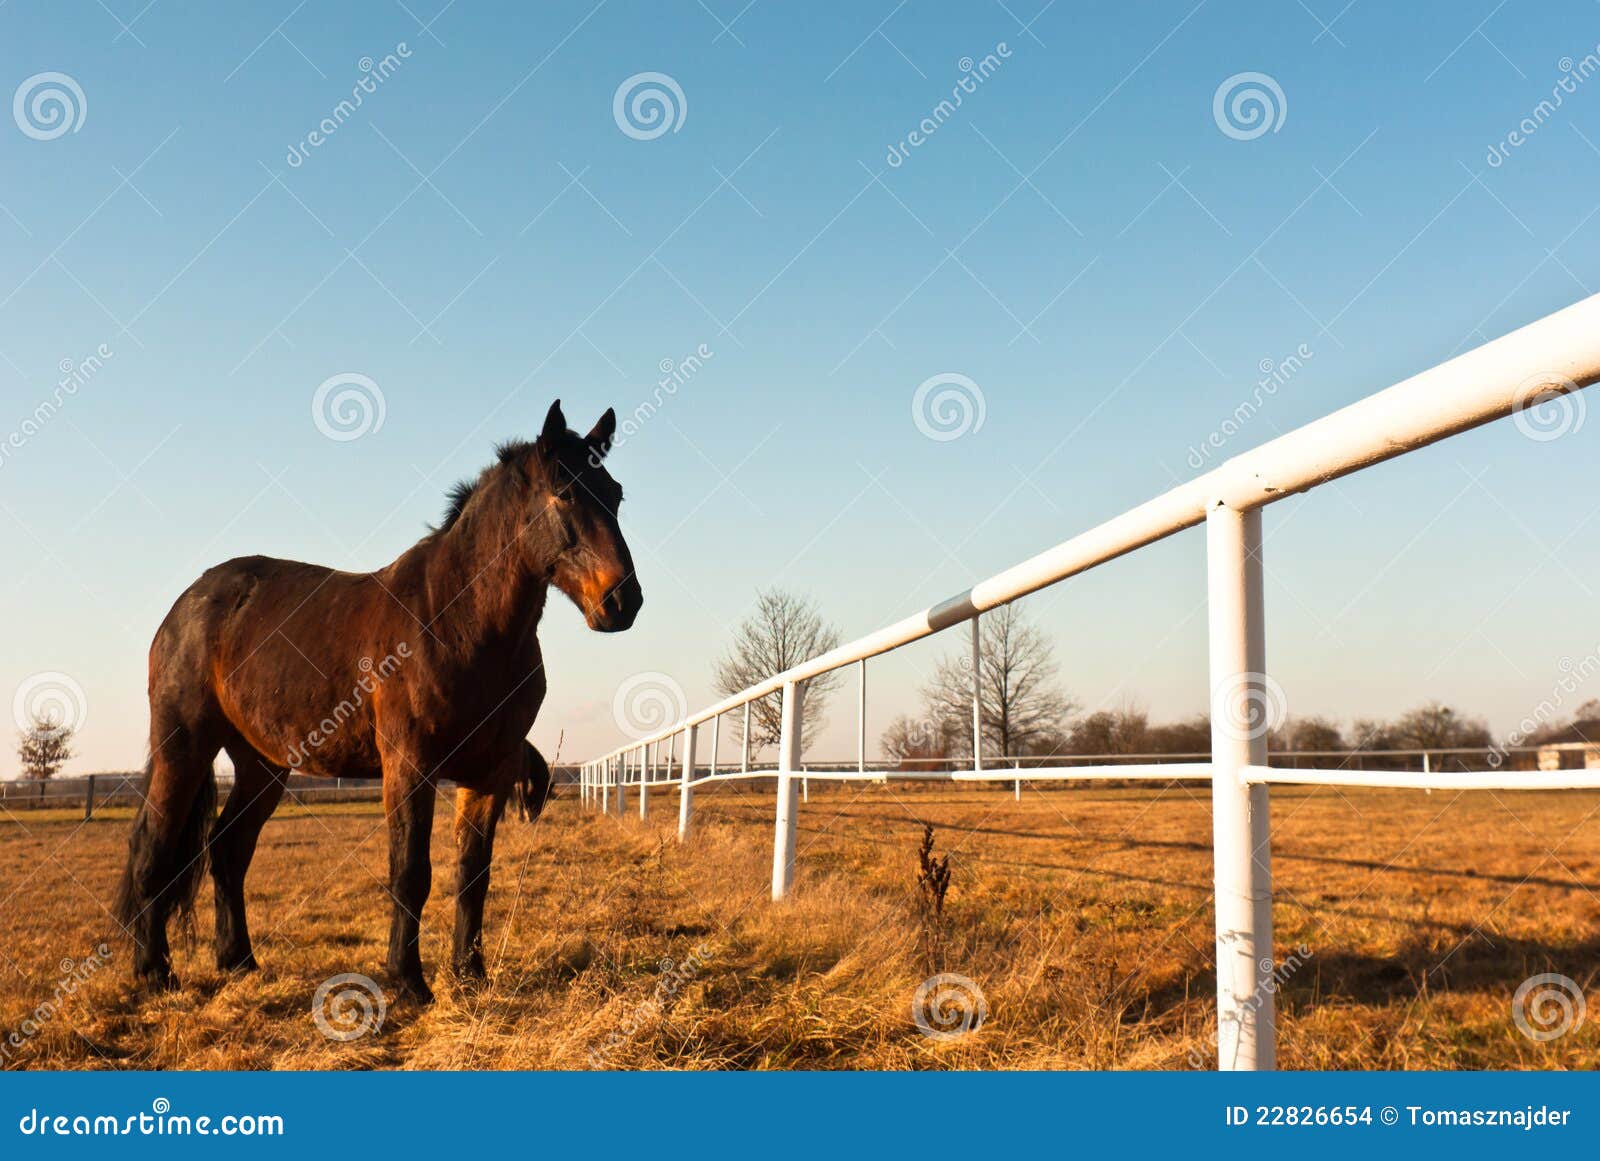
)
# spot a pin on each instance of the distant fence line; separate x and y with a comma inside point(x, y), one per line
point(94, 791)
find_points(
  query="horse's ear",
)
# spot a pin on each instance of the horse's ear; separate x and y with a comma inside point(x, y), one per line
point(600, 438)
point(555, 424)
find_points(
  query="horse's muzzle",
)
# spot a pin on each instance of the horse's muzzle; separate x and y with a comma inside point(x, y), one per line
point(617, 609)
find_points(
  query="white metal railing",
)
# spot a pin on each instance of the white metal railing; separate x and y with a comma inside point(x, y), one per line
point(1555, 355)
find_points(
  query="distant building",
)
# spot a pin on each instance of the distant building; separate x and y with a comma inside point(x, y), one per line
point(1575, 748)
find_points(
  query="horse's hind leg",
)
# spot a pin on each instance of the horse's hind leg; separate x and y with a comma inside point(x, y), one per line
point(477, 814)
point(167, 847)
point(257, 789)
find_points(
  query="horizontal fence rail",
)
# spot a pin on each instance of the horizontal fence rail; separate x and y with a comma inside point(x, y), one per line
point(1553, 356)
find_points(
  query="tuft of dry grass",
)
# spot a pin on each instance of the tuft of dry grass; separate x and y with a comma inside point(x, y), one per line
point(1082, 914)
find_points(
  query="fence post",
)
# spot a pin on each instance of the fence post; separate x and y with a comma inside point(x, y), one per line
point(685, 791)
point(1241, 836)
point(621, 803)
point(788, 807)
point(977, 694)
point(716, 737)
point(88, 799)
point(861, 720)
point(647, 771)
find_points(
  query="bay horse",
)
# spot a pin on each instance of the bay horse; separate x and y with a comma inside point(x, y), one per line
point(428, 669)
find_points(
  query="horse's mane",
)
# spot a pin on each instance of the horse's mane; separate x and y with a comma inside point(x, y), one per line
point(460, 495)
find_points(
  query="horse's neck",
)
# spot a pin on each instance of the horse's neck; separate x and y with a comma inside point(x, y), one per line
point(484, 593)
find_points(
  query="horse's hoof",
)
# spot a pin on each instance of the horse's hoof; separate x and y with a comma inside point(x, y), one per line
point(415, 989)
point(237, 965)
point(158, 980)
point(468, 969)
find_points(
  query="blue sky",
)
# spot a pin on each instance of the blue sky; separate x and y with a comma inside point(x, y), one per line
point(1081, 239)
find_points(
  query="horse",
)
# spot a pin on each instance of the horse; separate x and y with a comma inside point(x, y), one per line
point(424, 671)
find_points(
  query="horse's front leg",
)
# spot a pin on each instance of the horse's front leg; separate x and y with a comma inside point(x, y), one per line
point(408, 799)
point(477, 813)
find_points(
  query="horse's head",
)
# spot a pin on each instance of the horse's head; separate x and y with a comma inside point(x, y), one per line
point(592, 564)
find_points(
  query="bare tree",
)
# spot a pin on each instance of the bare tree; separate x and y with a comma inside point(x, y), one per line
point(784, 630)
point(1020, 706)
point(44, 747)
point(918, 743)
point(1436, 726)
point(1119, 731)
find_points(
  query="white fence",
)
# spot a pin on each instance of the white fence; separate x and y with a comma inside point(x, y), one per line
point(1535, 365)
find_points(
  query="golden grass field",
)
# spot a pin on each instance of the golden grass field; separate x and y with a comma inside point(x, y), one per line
point(1083, 914)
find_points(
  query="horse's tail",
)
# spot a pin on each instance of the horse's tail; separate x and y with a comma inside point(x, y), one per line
point(164, 871)
point(533, 787)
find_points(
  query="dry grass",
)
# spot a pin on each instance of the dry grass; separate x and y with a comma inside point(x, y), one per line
point(1084, 915)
